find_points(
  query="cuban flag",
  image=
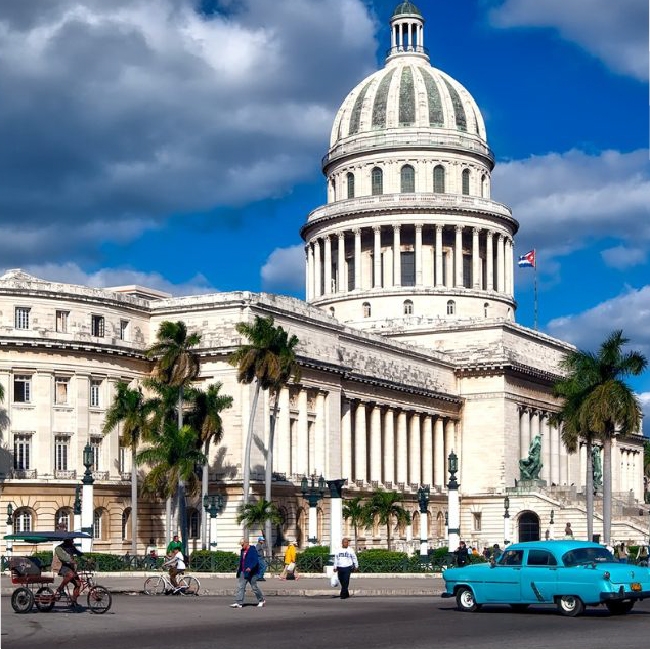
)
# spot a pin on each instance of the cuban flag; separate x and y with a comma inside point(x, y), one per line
point(527, 260)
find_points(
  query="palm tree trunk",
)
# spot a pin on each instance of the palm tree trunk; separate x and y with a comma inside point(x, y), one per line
point(168, 518)
point(590, 491)
point(388, 533)
point(134, 504)
point(204, 492)
point(182, 519)
point(268, 475)
point(607, 489)
point(249, 444)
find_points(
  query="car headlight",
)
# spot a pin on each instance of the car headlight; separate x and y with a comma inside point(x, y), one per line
point(606, 575)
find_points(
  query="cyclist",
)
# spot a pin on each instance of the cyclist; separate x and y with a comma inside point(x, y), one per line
point(176, 564)
point(66, 552)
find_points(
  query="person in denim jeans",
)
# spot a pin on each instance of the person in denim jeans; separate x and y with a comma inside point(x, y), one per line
point(260, 547)
point(247, 574)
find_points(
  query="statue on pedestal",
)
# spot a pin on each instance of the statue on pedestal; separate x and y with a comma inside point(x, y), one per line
point(597, 468)
point(531, 466)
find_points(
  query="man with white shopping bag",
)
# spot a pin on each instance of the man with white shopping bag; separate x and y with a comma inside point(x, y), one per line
point(345, 562)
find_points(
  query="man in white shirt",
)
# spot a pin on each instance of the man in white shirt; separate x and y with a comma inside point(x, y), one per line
point(176, 564)
point(345, 562)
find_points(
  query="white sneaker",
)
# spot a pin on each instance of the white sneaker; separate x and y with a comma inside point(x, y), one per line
point(261, 603)
point(237, 605)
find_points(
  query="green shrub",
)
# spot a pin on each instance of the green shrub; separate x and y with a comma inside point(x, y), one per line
point(378, 560)
point(313, 558)
point(214, 561)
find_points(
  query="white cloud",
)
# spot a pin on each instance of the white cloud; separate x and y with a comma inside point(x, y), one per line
point(285, 269)
point(615, 32)
point(623, 257)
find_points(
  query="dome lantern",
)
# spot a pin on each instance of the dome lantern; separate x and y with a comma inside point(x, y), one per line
point(407, 32)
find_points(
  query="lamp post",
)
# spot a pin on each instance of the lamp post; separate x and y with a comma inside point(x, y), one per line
point(336, 513)
point(423, 502)
point(87, 498)
point(9, 529)
point(212, 505)
point(453, 503)
point(506, 521)
point(551, 525)
point(76, 508)
point(313, 494)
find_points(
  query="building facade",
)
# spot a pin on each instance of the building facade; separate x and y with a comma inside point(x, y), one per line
point(409, 350)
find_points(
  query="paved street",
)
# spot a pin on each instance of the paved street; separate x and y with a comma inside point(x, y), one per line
point(138, 621)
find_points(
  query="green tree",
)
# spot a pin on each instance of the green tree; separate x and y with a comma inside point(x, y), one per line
point(133, 411)
point(258, 513)
point(266, 359)
point(385, 508)
point(176, 366)
point(356, 512)
point(205, 417)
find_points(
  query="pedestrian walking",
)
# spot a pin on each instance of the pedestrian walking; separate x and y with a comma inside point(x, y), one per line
point(462, 554)
point(345, 562)
point(260, 547)
point(174, 545)
point(247, 574)
point(289, 572)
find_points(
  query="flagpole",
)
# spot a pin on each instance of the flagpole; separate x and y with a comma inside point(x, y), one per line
point(535, 284)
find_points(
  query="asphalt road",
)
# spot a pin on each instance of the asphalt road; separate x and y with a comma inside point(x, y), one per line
point(318, 622)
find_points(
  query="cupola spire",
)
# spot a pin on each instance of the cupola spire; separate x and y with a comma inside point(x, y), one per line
point(407, 32)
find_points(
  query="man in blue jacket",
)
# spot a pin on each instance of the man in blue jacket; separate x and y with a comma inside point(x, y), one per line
point(248, 572)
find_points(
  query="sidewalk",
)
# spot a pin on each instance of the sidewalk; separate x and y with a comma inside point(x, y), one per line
point(311, 584)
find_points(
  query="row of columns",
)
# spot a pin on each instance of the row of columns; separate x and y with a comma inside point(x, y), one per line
point(555, 461)
point(325, 278)
point(390, 445)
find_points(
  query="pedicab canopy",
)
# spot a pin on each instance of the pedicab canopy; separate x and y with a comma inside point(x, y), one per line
point(38, 536)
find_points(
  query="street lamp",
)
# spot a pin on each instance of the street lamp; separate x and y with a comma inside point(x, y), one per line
point(423, 502)
point(212, 505)
point(313, 494)
point(87, 499)
point(88, 461)
point(9, 529)
point(506, 521)
point(453, 503)
point(10, 514)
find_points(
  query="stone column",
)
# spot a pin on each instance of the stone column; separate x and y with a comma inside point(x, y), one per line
point(524, 432)
point(302, 460)
point(544, 429)
point(346, 439)
point(500, 264)
point(476, 260)
point(418, 254)
point(438, 254)
point(555, 454)
point(458, 257)
point(328, 265)
point(281, 458)
point(564, 460)
point(341, 285)
point(375, 443)
point(397, 260)
point(508, 266)
point(360, 442)
point(307, 274)
point(310, 270)
point(319, 435)
point(583, 466)
point(414, 455)
point(357, 258)
point(402, 476)
point(438, 452)
point(449, 437)
point(377, 258)
point(489, 262)
point(318, 269)
point(389, 446)
point(427, 451)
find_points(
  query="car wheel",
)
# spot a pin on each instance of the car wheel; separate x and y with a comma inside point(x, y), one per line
point(466, 601)
point(617, 607)
point(519, 607)
point(570, 605)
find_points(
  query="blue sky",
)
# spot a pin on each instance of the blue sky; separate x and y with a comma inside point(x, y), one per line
point(177, 143)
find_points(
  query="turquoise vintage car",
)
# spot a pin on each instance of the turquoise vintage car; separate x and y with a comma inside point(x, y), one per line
point(570, 574)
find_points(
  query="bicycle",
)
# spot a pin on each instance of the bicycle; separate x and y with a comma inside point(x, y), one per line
point(161, 584)
point(99, 598)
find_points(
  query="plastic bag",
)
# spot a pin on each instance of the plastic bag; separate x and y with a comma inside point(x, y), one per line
point(334, 580)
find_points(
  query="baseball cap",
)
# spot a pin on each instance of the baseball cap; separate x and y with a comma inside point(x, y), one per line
point(260, 539)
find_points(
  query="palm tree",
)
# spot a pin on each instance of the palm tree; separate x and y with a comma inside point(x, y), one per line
point(266, 361)
point(257, 513)
point(173, 457)
point(130, 408)
point(385, 506)
point(356, 512)
point(604, 404)
point(176, 366)
point(205, 417)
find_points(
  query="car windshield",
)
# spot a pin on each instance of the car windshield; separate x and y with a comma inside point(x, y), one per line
point(587, 555)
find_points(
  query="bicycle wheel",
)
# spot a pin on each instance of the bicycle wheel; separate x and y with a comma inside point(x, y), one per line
point(99, 599)
point(44, 599)
point(190, 586)
point(22, 600)
point(154, 586)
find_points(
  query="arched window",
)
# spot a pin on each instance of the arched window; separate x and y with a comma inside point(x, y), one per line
point(439, 179)
point(23, 520)
point(366, 310)
point(62, 519)
point(377, 181)
point(451, 307)
point(484, 186)
point(193, 523)
point(440, 525)
point(415, 520)
point(126, 520)
point(486, 306)
point(407, 178)
point(408, 307)
point(350, 179)
point(98, 527)
point(466, 181)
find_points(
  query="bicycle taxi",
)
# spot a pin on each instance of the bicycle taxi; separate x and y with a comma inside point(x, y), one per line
point(34, 587)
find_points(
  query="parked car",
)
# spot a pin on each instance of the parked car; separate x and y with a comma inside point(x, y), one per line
point(570, 574)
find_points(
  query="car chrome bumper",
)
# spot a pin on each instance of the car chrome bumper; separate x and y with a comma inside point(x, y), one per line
point(606, 596)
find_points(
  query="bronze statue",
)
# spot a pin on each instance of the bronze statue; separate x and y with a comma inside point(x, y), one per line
point(531, 466)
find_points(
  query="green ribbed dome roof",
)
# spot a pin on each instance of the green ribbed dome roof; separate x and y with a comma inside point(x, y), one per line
point(406, 8)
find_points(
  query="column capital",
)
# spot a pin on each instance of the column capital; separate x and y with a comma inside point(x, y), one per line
point(439, 227)
point(418, 227)
point(458, 228)
point(356, 231)
point(396, 227)
point(376, 230)
point(341, 235)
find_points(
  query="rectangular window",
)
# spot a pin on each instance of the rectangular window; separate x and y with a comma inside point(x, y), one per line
point(95, 445)
point(476, 520)
point(350, 262)
point(22, 388)
point(62, 321)
point(407, 261)
point(97, 524)
point(61, 386)
point(61, 449)
point(22, 452)
point(467, 271)
point(124, 330)
point(22, 318)
point(95, 387)
point(97, 325)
